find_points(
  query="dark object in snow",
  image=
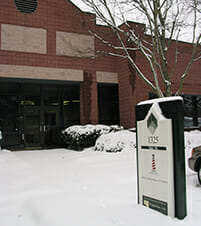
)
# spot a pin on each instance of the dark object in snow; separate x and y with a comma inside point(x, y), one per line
point(79, 137)
point(194, 161)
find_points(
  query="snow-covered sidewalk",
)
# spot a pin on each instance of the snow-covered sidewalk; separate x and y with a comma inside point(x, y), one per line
point(67, 188)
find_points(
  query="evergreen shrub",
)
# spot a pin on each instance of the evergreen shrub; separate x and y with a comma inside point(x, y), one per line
point(78, 137)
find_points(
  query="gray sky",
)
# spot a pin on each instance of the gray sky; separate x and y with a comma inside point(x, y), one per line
point(185, 33)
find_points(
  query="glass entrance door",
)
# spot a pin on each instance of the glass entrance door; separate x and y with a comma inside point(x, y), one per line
point(38, 132)
point(42, 118)
point(10, 121)
point(51, 128)
point(33, 114)
point(32, 127)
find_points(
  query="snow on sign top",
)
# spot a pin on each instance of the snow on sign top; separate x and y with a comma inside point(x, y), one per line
point(159, 100)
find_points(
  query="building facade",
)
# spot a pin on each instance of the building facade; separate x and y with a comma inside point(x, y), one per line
point(50, 79)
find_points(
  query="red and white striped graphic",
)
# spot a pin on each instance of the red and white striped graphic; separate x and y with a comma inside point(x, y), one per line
point(153, 163)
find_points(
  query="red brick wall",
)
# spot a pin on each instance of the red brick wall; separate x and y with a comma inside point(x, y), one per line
point(61, 15)
point(128, 99)
point(54, 15)
point(192, 84)
point(88, 99)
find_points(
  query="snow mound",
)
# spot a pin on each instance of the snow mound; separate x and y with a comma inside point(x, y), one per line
point(116, 141)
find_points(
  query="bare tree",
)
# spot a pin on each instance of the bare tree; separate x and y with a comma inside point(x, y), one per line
point(164, 20)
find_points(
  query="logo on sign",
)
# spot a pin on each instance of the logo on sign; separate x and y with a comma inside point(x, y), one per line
point(153, 164)
point(152, 123)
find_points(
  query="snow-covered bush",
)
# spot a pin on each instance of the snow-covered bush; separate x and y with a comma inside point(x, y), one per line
point(115, 142)
point(78, 137)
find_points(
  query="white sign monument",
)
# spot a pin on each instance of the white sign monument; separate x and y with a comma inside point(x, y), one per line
point(155, 157)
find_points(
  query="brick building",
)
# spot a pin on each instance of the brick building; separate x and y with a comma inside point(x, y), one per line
point(49, 79)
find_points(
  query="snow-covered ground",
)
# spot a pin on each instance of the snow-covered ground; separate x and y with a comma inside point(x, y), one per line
point(89, 188)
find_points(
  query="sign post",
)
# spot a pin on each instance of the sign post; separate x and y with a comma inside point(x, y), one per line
point(160, 156)
point(0, 138)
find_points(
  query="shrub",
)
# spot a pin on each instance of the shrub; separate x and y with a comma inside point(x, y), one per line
point(79, 137)
point(115, 142)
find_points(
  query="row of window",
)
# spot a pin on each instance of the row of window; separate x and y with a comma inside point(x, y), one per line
point(192, 109)
point(35, 114)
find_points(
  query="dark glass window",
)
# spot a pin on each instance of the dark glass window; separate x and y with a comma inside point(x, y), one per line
point(9, 120)
point(9, 88)
point(71, 105)
point(31, 90)
point(26, 6)
point(34, 114)
point(32, 125)
point(108, 104)
point(192, 111)
point(51, 96)
point(30, 101)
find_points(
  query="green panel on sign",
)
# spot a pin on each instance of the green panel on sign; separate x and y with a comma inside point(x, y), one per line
point(155, 204)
